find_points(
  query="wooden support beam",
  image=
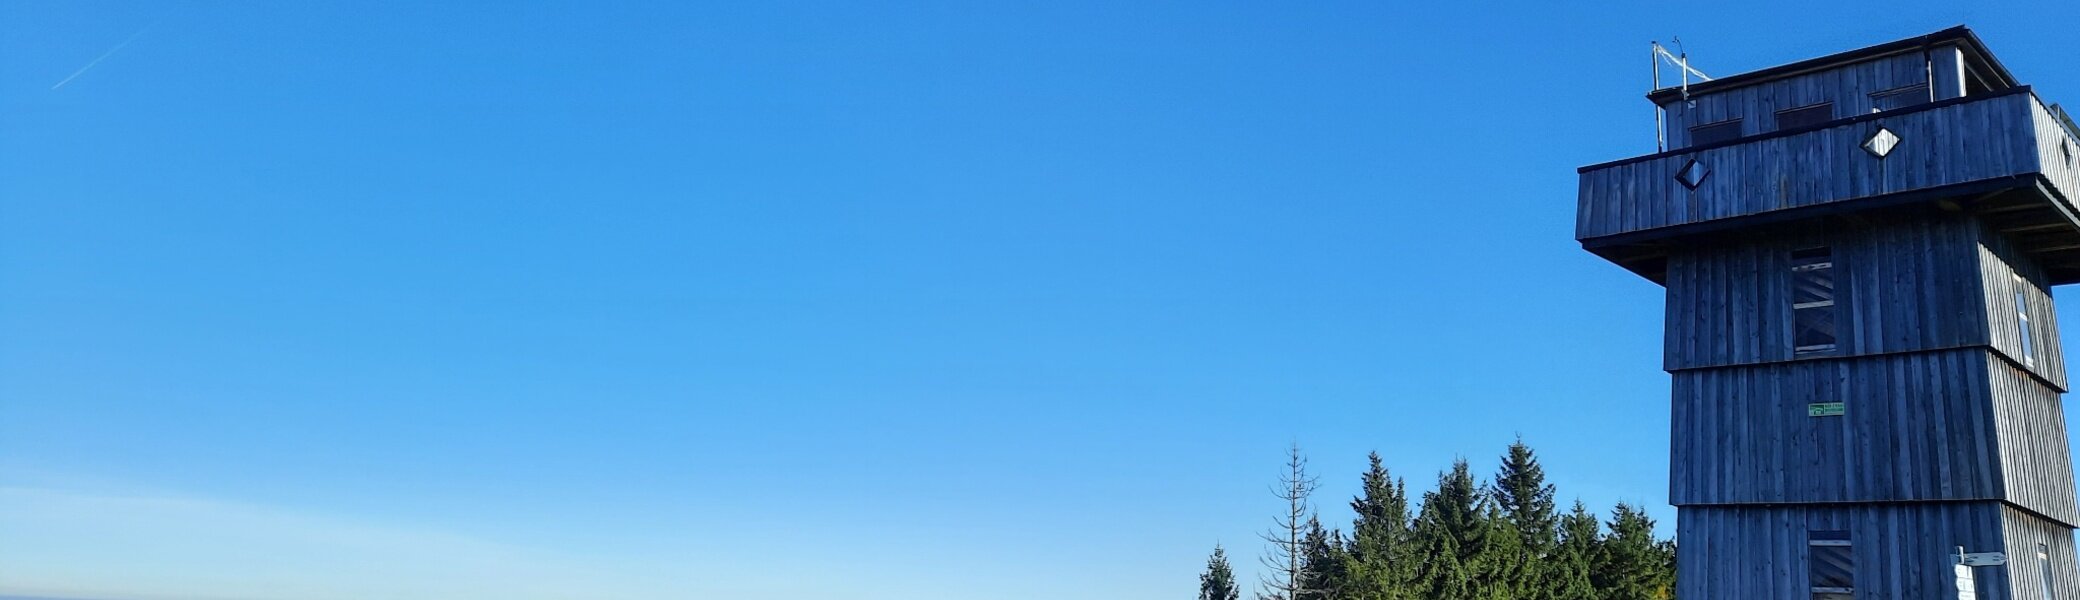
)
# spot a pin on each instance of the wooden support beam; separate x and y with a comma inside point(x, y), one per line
point(2029, 226)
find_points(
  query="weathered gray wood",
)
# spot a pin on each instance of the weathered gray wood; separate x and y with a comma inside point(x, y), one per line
point(1943, 253)
point(2003, 271)
point(2035, 461)
point(1946, 66)
point(2023, 533)
point(1973, 141)
point(1731, 303)
point(1902, 550)
point(2058, 152)
point(1957, 424)
point(1904, 282)
point(1849, 88)
point(1915, 428)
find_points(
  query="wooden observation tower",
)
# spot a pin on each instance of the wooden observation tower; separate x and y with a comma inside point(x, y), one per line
point(1858, 252)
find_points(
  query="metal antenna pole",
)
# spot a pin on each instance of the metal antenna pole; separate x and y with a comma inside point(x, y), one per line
point(1660, 126)
point(1681, 60)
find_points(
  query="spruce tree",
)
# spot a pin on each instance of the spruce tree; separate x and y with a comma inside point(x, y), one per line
point(1631, 564)
point(1665, 567)
point(1382, 550)
point(1441, 576)
point(1525, 500)
point(1572, 562)
point(1218, 582)
point(1464, 554)
point(1323, 574)
point(1470, 540)
point(1498, 563)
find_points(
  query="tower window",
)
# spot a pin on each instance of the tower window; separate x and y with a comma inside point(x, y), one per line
point(1913, 95)
point(1805, 116)
point(1833, 563)
point(1812, 301)
point(1693, 173)
point(1714, 133)
point(2029, 351)
point(2044, 563)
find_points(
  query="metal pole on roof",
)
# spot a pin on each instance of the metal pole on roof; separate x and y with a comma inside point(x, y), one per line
point(1660, 127)
point(1681, 60)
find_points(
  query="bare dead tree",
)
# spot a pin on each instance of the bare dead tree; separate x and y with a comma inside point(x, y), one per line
point(1284, 559)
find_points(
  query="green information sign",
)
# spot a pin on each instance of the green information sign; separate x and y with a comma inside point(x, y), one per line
point(1824, 409)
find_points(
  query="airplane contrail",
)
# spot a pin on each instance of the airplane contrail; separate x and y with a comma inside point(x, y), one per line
point(104, 56)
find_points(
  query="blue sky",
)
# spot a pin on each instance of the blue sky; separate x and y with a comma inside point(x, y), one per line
point(921, 301)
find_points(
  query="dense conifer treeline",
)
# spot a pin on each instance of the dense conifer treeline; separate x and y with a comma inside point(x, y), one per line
point(1504, 538)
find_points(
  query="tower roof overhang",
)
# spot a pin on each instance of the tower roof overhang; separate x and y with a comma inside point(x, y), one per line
point(2028, 208)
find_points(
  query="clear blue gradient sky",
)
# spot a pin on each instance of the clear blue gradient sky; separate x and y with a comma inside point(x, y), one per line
point(788, 300)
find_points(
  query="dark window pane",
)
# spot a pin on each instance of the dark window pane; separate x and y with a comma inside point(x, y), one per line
point(1805, 116)
point(1814, 329)
point(1715, 132)
point(1913, 95)
point(1833, 566)
point(1827, 536)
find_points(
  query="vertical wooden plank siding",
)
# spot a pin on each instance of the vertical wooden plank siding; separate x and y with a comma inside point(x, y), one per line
point(2060, 166)
point(1901, 284)
point(2035, 461)
point(1940, 405)
point(1963, 143)
point(1917, 426)
point(1849, 88)
point(2023, 533)
point(1947, 72)
point(1901, 550)
point(2004, 270)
